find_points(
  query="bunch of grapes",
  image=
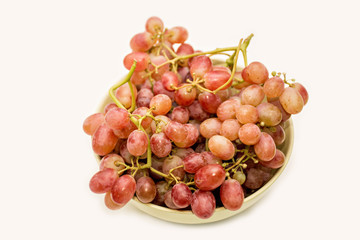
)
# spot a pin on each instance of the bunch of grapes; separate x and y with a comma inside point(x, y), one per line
point(188, 132)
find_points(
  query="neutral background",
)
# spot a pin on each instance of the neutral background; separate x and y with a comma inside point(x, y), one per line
point(58, 59)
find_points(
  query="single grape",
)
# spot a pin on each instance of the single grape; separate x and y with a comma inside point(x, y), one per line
point(110, 204)
point(123, 189)
point(183, 72)
point(161, 189)
point(117, 118)
point(103, 180)
point(125, 132)
point(215, 79)
point(139, 78)
point(247, 114)
point(180, 114)
point(278, 134)
point(176, 35)
point(173, 162)
point(145, 189)
point(269, 114)
point(159, 89)
point(240, 177)
point(92, 123)
point(161, 104)
point(265, 149)
point(142, 61)
point(193, 162)
point(230, 129)
point(231, 194)
point(291, 100)
point(137, 143)
point(224, 94)
point(184, 49)
point(159, 124)
point(170, 80)
point(255, 72)
point(221, 147)
point(154, 25)
point(125, 154)
point(191, 137)
point(160, 144)
point(144, 97)
point(157, 164)
point(183, 152)
point(209, 101)
point(200, 65)
point(185, 96)
point(221, 68)
point(227, 109)
point(168, 200)
point(276, 162)
point(303, 92)
point(284, 114)
point(203, 204)
point(210, 158)
point(209, 177)
point(181, 195)
point(254, 178)
point(274, 87)
point(197, 112)
point(249, 134)
point(123, 94)
point(113, 161)
point(142, 42)
point(104, 140)
point(109, 106)
point(252, 95)
point(210, 127)
point(176, 131)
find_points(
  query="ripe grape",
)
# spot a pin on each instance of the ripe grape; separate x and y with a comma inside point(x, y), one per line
point(103, 180)
point(230, 129)
point(145, 189)
point(254, 178)
point(92, 123)
point(276, 162)
point(185, 96)
point(173, 162)
point(180, 114)
point(181, 195)
point(125, 132)
point(154, 25)
point(161, 104)
point(159, 89)
point(176, 131)
point(168, 200)
point(170, 80)
point(139, 78)
point(227, 109)
point(117, 118)
point(144, 97)
point(252, 95)
point(183, 152)
point(203, 204)
point(210, 158)
point(141, 42)
point(176, 35)
point(247, 114)
point(278, 134)
point(142, 61)
point(109, 106)
point(265, 149)
point(137, 143)
point(303, 92)
point(104, 140)
point(191, 137)
point(221, 147)
point(184, 49)
point(255, 72)
point(209, 177)
point(200, 65)
point(210, 127)
point(113, 161)
point(159, 71)
point(161, 189)
point(109, 203)
point(197, 112)
point(209, 101)
point(123, 189)
point(142, 111)
point(273, 87)
point(123, 94)
point(193, 162)
point(160, 144)
point(221, 68)
point(285, 115)
point(269, 114)
point(157, 164)
point(249, 134)
point(183, 72)
point(160, 124)
point(291, 100)
point(231, 194)
point(215, 79)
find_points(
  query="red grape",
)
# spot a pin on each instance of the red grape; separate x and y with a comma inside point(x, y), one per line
point(183, 152)
point(137, 143)
point(191, 137)
point(209, 177)
point(203, 204)
point(181, 195)
point(200, 65)
point(109, 203)
point(221, 147)
point(103, 180)
point(142, 61)
point(141, 42)
point(160, 124)
point(255, 72)
point(180, 114)
point(173, 162)
point(227, 109)
point(249, 134)
point(197, 112)
point(154, 25)
point(210, 127)
point(209, 101)
point(168, 200)
point(276, 162)
point(144, 97)
point(161, 104)
point(123, 94)
point(273, 87)
point(123, 189)
point(104, 140)
point(170, 80)
point(176, 131)
point(252, 95)
point(185, 96)
point(113, 161)
point(265, 149)
point(278, 135)
point(303, 92)
point(145, 189)
point(92, 123)
point(269, 114)
point(215, 79)
point(247, 114)
point(231, 194)
point(193, 162)
point(210, 158)
point(176, 35)
point(160, 144)
point(291, 100)
point(161, 189)
point(117, 118)
point(230, 129)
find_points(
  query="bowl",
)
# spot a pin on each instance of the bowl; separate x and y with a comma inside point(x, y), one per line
point(186, 216)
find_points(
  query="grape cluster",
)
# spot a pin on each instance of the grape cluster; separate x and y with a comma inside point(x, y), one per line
point(186, 132)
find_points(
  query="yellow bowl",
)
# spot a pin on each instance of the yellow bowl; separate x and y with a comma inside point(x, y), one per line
point(186, 216)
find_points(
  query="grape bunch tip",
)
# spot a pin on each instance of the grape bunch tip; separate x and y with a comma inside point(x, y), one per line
point(185, 133)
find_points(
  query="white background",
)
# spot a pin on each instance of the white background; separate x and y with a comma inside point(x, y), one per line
point(58, 59)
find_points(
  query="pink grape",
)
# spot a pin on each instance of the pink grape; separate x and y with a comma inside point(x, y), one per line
point(104, 140)
point(123, 189)
point(113, 161)
point(291, 100)
point(176, 35)
point(184, 49)
point(139, 78)
point(210, 158)
point(145, 189)
point(154, 25)
point(252, 95)
point(103, 181)
point(191, 137)
point(200, 65)
point(249, 134)
point(181, 195)
point(285, 115)
point(125, 132)
point(241, 84)
point(160, 125)
point(92, 123)
point(209, 177)
point(255, 72)
point(180, 114)
point(142, 111)
point(123, 94)
point(176, 131)
point(203, 204)
point(221, 147)
point(144, 97)
point(124, 152)
point(221, 68)
point(276, 162)
point(161, 104)
point(173, 162)
point(273, 87)
point(170, 80)
point(215, 79)
point(197, 112)
point(183, 72)
point(303, 92)
point(265, 149)
point(247, 114)
point(183, 152)
point(231, 194)
point(230, 129)
point(109, 106)
point(278, 135)
point(160, 145)
point(117, 118)
point(142, 61)
point(137, 143)
point(185, 96)
point(110, 204)
point(224, 94)
point(157, 164)
point(227, 109)
point(210, 127)
point(209, 101)
point(141, 42)
point(193, 162)
point(168, 200)
point(269, 114)
point(157, 61)
point(159, 89)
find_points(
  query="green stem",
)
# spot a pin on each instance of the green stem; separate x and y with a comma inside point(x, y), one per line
point(244, 47)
